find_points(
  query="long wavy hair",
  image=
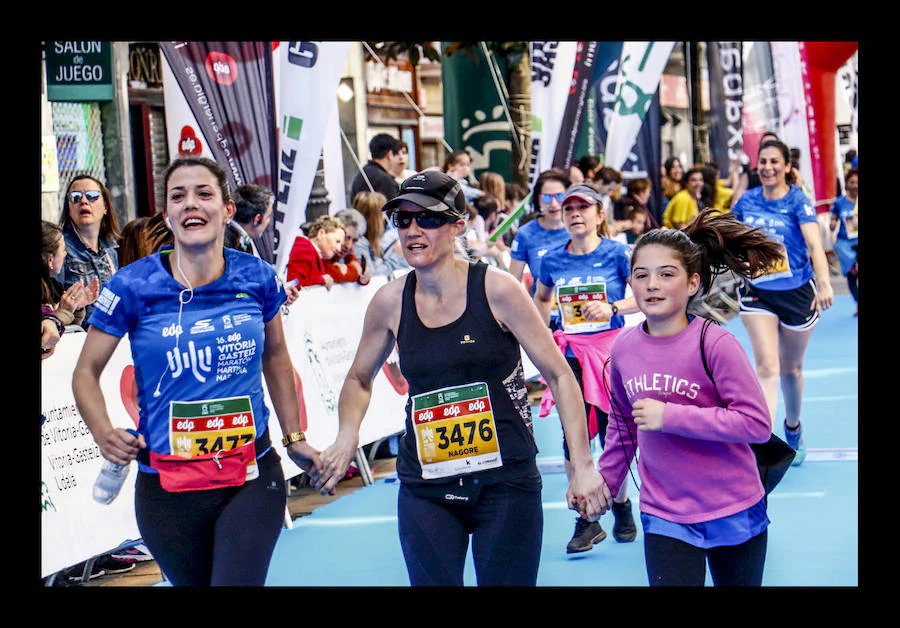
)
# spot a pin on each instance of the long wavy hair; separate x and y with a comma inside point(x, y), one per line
point(109, 224)
point(713, 243)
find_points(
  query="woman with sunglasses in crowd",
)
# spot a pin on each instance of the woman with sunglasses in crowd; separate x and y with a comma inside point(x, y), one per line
point(467, 461)
point(543, 233)
point(587, 277)
point(91, 231)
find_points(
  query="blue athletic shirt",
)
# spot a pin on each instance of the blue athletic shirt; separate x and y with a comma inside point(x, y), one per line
point(532, 242)
point(609, 263)
point(780, 220)
point(843, 208)
point(220, 350)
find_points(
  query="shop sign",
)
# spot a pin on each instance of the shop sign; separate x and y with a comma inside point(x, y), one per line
point(79, 71)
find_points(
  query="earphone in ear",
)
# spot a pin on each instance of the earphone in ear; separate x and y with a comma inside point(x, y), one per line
point(168, 222)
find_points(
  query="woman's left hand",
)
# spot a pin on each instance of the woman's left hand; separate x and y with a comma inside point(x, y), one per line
point(824, 296)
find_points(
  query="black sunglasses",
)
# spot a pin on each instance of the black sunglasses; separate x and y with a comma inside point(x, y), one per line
point(91, 195)
point(425, 219)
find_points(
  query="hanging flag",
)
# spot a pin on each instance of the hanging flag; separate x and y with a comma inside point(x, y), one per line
point(792, 109)
point(474, 116)
point(552, 63)
point(308, 76)
point(726, 97)
point(220, 96)
point(760, 113)
point(583, 76)
point(220, 104)
point(601, 96)
point(640, 68)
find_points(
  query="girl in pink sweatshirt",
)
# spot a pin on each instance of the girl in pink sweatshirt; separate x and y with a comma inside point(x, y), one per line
point(701, 498)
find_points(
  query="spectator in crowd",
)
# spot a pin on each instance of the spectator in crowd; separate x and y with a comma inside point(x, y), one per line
point(388, 244)
point(546, 232)
point(588, 166)
point(402, 171)
point(702, 501)
point(781, 307)
point(672, 178)
point(686, 204)
point(254, 205)
point(493, 183)
point(369, 204)
point(344, 266)
point(458, 164)
point(514, 195)
point(845, 220)
point(633, 216)
point(487, 210)
point(68, 304)
point(209, 519)
point(133, 241)
point(91, 230)
point(378, 174)
point(593, 264)
point(51, 330)
point(306, 263)
point(715, 193)
point(608, 182)
point(442, 501)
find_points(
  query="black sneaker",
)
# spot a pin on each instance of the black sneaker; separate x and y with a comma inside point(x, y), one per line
point(75, 575)
point(586, 534)
point(624, 530)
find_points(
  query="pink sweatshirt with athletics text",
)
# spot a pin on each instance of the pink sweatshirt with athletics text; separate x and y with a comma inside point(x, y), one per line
point(700, 466)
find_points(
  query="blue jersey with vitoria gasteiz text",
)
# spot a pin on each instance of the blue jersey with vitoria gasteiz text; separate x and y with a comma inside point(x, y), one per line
point(780, 219)
point(218, 355)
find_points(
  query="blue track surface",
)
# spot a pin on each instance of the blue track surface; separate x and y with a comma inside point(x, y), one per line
point(813, 539)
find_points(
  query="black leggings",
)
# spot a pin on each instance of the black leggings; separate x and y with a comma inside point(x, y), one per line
point(674, 563)
point(219, 537)
point(602, 417)
point(506, 525)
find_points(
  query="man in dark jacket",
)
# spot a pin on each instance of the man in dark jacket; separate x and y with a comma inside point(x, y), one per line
point(385, 150)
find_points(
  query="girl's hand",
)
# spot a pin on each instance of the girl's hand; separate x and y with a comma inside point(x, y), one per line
point(648, 414)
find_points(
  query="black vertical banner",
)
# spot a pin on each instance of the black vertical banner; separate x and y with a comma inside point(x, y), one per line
point(229, 87)
point(582, 78)
point(726, 102)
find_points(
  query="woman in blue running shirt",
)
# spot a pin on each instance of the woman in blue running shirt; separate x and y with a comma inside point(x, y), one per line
point(845, 219)
point(204, 326)
point(587, 276)
point(542, 234)
point(779, 308)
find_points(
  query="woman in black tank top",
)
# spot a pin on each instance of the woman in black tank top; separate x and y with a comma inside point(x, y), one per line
point(467, 460)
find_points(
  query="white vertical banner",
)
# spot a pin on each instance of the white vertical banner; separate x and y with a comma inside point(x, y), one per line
point(640, 69)
point(792, 106)
point(308, 74)
point(552, 63)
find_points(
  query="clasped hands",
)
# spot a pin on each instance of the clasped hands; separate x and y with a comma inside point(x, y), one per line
point(588, 494)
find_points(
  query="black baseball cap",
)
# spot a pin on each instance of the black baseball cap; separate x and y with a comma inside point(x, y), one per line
point(433, 190)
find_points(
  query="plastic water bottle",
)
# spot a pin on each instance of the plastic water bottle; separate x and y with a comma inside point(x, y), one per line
point(112, 477)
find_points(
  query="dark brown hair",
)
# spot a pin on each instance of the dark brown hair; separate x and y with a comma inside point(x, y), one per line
point(713, 243)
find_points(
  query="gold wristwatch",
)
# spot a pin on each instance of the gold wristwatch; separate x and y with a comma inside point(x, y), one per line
point(293, 437)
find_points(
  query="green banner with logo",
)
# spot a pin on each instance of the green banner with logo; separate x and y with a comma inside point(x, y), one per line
point(475, 119)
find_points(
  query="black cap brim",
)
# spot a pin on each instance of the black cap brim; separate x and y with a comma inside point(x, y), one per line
point(422, 200)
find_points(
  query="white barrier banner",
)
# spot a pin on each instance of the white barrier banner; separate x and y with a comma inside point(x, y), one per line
point(73, 526)
point(322, 330)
